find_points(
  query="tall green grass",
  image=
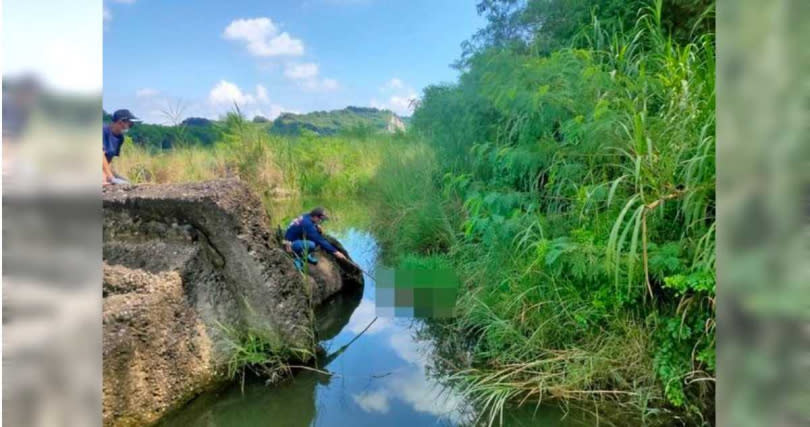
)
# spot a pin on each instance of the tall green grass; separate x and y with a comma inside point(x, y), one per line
point(262, 354)
point(406, 210)
point(275, 167)
point(574, 193)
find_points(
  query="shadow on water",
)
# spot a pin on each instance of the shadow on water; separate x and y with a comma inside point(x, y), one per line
point(381, 378)
point(290, 403)
point(334, 314)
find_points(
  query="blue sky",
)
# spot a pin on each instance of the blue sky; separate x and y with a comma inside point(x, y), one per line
point(274, 56)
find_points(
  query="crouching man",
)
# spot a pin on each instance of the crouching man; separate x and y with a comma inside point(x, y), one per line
point(304, 237)
point(112, 140)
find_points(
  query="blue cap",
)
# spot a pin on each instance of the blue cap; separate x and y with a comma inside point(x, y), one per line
point(124, 115)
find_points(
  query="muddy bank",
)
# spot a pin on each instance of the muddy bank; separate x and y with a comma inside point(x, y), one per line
point(181, 262)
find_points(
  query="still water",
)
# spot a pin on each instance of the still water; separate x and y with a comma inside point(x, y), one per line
point(380, 379)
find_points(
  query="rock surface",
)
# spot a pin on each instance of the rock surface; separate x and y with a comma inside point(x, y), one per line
point(330, 276)
point(157, 350)
point(181, 262)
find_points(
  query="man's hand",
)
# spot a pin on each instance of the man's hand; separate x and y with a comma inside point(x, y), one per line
point(118, 181)
point(106, 169)
point(339, 254)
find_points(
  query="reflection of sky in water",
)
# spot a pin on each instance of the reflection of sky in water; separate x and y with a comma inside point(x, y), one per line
point(381, 377)
point(379, 380)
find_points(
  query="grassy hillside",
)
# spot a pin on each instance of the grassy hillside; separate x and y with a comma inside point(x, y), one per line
point(347, 120)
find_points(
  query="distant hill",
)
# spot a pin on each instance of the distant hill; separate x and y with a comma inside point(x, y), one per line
point(349, 119)
point(354, 121)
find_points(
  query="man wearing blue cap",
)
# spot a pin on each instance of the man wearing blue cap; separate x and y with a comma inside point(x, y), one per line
point(113, 138)
point(304, 235)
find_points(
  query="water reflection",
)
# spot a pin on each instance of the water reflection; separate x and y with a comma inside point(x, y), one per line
point(334, 314)
point(380, 378)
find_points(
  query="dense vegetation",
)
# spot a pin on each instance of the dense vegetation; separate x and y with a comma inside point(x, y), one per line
point(569, 178)
point(273, 166)
point(541, 27)
point(573, 189)
point(350, 119)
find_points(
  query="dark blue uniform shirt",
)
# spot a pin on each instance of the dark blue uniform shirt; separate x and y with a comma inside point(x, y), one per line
point(111, 142)
point(303, 228)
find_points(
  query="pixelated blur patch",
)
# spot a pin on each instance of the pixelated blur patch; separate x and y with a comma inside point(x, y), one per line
point(419, 287)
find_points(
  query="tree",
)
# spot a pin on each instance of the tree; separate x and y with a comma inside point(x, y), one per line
point(543, 26)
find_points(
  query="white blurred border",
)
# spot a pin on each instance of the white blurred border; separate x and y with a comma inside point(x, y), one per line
point(51, 213)
point(60, 41)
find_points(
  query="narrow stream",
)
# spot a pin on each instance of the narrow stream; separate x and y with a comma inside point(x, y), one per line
point(380, 379)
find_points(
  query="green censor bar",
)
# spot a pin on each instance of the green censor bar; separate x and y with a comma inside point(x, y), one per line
point(416, 293)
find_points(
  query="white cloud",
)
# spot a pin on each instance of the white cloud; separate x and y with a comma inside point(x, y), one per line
point(363, 315)
point(400, 97)
point(306, 74)
point(283, 44)
point(373, 402)
point(402, 104)
point(262, 37)
point(226, 93)
point(414, 387)
point(275, 111)
point(407, 349)
point(428, 396)
point(301, 71)
point(399, 104)
point(124, 1)
point(269, 112)
point(146, 92)
point(107, 14)
point(250, 29)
